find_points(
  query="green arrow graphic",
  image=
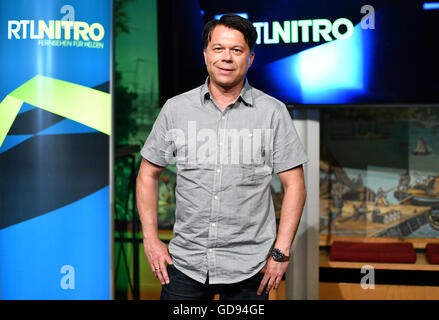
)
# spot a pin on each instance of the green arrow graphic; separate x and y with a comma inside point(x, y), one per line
point(9, 108)
point(84, 105)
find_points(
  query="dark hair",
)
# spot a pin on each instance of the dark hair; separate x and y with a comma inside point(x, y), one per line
point(234, 22)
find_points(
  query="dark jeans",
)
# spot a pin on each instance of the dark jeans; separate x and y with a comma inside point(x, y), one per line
point(181, 287)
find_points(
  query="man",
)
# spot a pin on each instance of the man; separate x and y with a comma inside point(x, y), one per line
point(225, 231)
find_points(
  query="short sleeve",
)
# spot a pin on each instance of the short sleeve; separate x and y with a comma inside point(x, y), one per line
point(288, 151)
point(159, 149)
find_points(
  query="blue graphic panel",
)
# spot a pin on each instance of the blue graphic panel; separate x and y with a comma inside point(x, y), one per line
point(68, 247)
point(55, 214)
point(67, 126)
point(13, 140)
point(27, 58)
point(25, 107)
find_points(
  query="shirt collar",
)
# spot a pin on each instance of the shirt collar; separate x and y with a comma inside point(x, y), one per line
point(245, 95)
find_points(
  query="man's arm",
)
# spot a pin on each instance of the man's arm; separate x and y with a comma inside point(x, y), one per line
point(147, 204)
point(292, 206)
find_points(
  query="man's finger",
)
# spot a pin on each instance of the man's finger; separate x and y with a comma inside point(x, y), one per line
point(164, 273)
point(168, 259)
point(276, 283)
point(154, 266)
point(262, 285)
point(159, 274)
point(156, 270)
point(270, 284)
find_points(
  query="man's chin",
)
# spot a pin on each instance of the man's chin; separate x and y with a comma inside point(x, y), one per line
point(228, 83)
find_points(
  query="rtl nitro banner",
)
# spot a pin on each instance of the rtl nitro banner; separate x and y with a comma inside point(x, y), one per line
point(55, 127)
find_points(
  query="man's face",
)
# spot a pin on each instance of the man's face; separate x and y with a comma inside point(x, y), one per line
point(227, 57)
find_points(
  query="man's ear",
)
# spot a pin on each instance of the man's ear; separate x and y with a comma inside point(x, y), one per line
point(252, 57)
point(205, 56)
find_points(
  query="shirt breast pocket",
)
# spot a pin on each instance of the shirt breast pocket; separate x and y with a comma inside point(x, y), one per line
point(253, 174)
point(261, 171)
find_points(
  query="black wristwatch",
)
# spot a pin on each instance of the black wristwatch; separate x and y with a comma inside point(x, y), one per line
point(278, 255)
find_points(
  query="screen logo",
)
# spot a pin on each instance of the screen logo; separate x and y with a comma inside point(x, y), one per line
point(65, 32)
point(309, 30)
point(303, 31)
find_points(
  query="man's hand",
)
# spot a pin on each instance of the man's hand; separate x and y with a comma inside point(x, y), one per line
point(146, 195)
point(273, 273)
point(158, 255)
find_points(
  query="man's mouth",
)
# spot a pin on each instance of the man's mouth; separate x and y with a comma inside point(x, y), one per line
point(226, 70)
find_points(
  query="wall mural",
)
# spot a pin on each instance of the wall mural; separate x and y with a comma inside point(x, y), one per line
point(379, 173)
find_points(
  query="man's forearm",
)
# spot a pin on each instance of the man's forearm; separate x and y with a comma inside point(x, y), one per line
point(147, 205)
point(291, 212)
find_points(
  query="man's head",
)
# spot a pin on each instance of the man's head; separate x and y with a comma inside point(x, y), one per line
point(228, 49)
point(232, 21)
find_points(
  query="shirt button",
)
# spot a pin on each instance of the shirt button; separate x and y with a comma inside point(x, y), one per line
point(220, 143)
point(218, 170)
point(216, 197)
point(250, 134)
point(213, 224)
point(210, 250)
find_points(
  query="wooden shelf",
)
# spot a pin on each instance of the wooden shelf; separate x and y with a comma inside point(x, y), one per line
point(354, 291)
point(418, 243)
point(350, 291)
point(421, 264)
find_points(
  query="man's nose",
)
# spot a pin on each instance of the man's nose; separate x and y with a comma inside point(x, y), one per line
point(227, 55)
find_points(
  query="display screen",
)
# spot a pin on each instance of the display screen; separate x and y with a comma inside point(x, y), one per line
point(315, 52)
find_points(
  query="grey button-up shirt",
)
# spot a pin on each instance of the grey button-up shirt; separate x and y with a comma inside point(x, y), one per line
point(225, 220)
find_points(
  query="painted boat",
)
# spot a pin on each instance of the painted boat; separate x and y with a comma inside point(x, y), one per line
point(417, 199)
point(433, 219)
point(422, 148)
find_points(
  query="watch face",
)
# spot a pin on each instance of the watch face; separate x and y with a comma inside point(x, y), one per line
point(277, 254)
